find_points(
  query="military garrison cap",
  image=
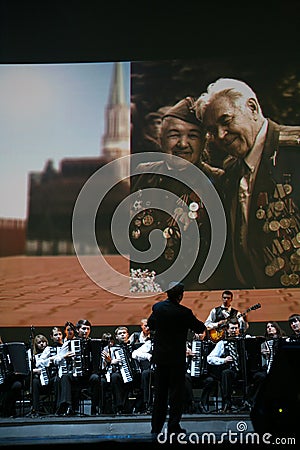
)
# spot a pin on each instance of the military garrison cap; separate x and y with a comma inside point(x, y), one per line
point(184, 110)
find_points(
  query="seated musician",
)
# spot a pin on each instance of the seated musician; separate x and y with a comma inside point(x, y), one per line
point(69, 331)
point(46, 361)
point(143, 355)
point(273, 336)
point(39, 377)
point(294, 323)
point(105, 375)
point(225, 358)
point(197, 375)
point(11, 386)
point(142, 336)
point(75, 372)
point(219, 316)
point(123, 366)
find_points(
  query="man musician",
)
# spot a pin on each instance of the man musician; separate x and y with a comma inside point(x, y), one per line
point(125, 371)
point(226, 357)
point(219, 316)
point(197, 375)
point(76, 371)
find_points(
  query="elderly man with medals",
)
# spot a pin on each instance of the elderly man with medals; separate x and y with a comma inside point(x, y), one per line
point(260, 187)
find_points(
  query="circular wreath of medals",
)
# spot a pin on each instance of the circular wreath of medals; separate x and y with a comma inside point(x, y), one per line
point(188, 207)
point(281, 218)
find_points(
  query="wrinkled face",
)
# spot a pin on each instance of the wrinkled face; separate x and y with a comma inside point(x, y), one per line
point(233, 330)
point(231, 125)
point(182, 139)
point(122, 336)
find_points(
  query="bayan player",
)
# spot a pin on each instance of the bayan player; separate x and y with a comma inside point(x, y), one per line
point(125, 371)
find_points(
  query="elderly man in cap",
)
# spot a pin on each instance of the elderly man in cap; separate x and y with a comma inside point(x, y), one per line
point(182, 136)
point(170, 323)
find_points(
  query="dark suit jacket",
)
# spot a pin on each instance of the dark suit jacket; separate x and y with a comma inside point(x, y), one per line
point(157, 179)
point(280, 156)
point(171, 322)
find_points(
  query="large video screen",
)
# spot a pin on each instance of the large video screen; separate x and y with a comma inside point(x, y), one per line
point(83, 141)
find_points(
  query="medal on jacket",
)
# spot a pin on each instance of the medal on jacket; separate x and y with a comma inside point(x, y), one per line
point(262, 201)
point(169, 254)
point(294, 279)
point(136, 233)
point(148, 219)
point(285, 279)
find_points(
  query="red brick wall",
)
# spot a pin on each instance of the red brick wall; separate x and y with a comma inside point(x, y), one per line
point(12, 237)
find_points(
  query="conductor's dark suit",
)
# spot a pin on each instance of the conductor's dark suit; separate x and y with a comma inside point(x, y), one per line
point(171, 322)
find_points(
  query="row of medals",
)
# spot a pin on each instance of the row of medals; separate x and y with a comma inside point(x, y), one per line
point(282, 218)
point(171, 232)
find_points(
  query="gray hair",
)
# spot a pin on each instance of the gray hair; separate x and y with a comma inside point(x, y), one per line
point(236, 90)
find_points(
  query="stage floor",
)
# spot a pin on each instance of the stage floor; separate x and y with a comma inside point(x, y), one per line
point(103, 430)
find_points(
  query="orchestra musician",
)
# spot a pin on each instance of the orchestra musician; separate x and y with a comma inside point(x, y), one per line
point(125, 371)
point(75, 371)
point(226, 358)
point(12, 378)
point(143, 355)
point(105, 374)
point(197, 375)
point(45, 362)
point(273, 336)
point(218, 317)
point(294, 323)
point(40, 382)
point(69, 332)
point(143, 335)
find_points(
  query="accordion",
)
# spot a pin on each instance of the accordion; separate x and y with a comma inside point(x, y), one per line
point(199, 362)
point(130, 368)
point(13, 360)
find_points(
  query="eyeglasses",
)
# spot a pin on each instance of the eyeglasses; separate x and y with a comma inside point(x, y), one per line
point(227, 298)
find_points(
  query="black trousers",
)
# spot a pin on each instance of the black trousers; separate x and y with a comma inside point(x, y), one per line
point(169, 388)
point(228, 377)
point(120, 392)
point(10, 393)
point(71, 386)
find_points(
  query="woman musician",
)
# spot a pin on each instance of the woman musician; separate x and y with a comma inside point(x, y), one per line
point(39, 375)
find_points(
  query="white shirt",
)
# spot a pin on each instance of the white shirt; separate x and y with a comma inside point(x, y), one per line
point(143, 352)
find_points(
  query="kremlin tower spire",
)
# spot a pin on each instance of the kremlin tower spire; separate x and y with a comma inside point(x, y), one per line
point(116, 139)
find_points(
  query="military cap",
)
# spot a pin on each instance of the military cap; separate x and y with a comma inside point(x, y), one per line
point(184, 110)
